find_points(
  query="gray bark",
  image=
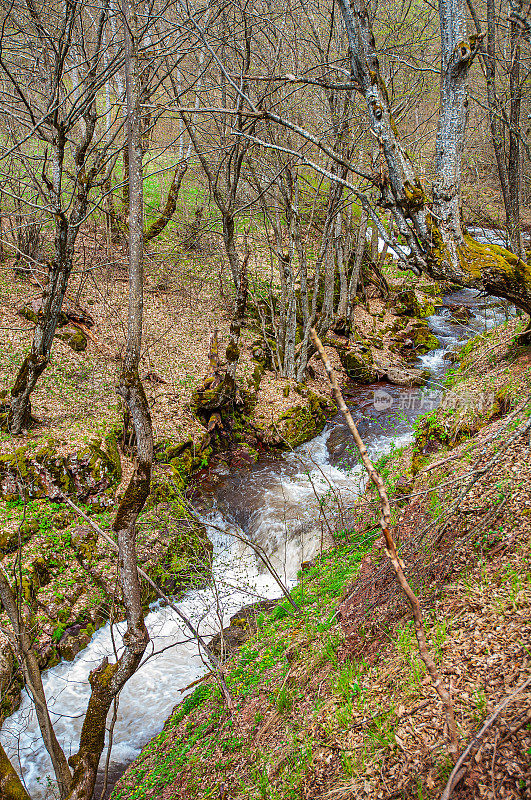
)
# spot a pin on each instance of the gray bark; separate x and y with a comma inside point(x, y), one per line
point(453, 116)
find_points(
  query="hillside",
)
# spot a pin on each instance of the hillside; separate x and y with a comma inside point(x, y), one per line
point(334, 702)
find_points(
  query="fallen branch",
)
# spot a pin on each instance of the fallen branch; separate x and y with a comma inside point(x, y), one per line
point(436, 464)
point(397, 564)
point(459, 771)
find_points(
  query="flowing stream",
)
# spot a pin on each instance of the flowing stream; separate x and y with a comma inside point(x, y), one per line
point(275, 504)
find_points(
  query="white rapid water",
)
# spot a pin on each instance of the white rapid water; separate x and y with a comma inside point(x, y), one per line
point(172, 662)
point(287, 525)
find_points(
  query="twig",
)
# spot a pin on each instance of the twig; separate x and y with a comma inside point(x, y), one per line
point(259, 551)
point(398, 566)
point(440, 463)
point(458, 771)
point(193, 630)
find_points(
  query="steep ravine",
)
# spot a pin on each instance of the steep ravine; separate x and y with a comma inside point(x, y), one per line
point(276, 504)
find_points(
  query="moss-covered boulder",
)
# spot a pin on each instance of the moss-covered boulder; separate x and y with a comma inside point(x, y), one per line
point(301, 423)
point(74, 338)
point(242, 626)
point(262, 353)
point(184, 458)
point(399, 376)
point(416, 339)
point(359, 365)
point(423, 337)
point(10, 539)
point(410, 303)
point(173, 546)
point(85, 475)
point(74, 639)
point(461, 414)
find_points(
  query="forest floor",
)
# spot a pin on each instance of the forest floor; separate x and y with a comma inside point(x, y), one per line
point(185, 301)
point(334, 702)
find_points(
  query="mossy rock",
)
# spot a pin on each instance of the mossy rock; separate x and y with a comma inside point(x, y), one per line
point(9, 539)
point(301, 423)
point(461, 414)
point(74, 338)
point(85, 475)
point(261, 353)
point(166, 450)
point(399, 376)
point(423, 337)
point(359, 365)
point(242, 626)
point(409, 303)
point(113, 453)
point(405, 303)
point(174, 548)
point(73, 640)
point(41, 571)
point(84, 542)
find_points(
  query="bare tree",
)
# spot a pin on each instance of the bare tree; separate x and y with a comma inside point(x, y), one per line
point(76, 778)
point(49, 101)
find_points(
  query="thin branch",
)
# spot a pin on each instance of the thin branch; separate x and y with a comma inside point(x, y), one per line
point(458, 771)
point(398, 566)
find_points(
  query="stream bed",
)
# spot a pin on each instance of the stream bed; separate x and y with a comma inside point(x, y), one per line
point(276, 504)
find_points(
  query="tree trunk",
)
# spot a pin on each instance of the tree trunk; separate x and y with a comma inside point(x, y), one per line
point(433, 231)
point(229, 240)
point(232, 353)
point(66, 231)
point(453, 116)
point(11, 787)
point(108, 679)
point(32, 676)
point(361, 243)
point(514, 228)
point(160, 223)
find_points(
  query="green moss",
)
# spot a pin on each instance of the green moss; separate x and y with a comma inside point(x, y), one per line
point(36, 475)
point(359, 365)
point(74, 338)
point(232, 353)
point(415, 195)
point(301, 423)
point(181, 554)
point(111, 447)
